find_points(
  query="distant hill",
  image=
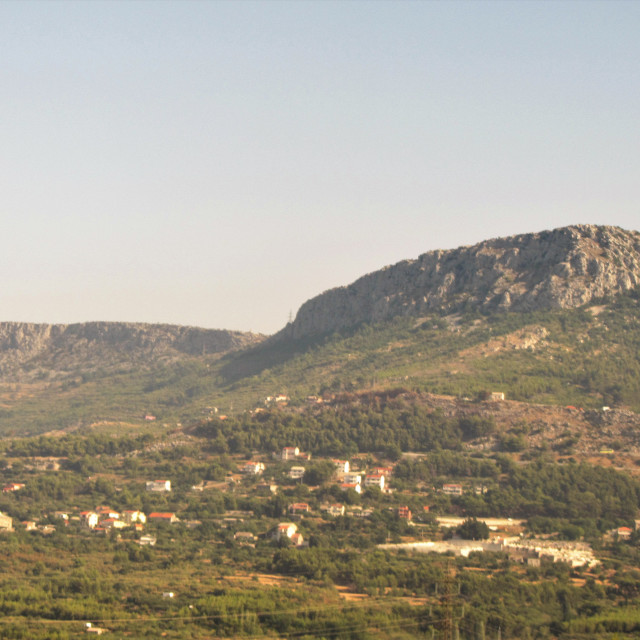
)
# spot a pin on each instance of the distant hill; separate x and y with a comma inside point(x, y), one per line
point(56, 377)
point(560, 269)
point(28, 350)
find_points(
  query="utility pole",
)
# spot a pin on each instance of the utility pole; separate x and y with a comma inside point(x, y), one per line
point(446, 601)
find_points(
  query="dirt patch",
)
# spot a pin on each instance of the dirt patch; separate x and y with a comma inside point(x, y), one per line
point(264, 579)
point(351, 596)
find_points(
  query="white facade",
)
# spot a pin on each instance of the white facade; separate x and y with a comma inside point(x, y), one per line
point(296, 473)
point(352, 478)
point(342, 465)
point(285, 529)
point(159, 485)
point(290, 453)
point(374, 480)
point(253, 468)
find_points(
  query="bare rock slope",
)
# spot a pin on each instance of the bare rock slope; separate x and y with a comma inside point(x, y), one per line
point(563, 268)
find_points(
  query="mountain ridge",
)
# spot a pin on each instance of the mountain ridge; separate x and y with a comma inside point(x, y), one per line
point(563, 268)
point(60, 346)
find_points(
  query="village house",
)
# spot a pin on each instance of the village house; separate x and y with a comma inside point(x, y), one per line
point(404, 513)
point(62, 515)
point(159, 485)
point(297, 539)
point(89, 519)
point(290, 453)
point(44, 464)
point(383, 471)
point(279, 399)
point(341, 465)
point(244, 538)
point(284, 530)
point(298, 507)
point(112, 523)
point(296, 473)
point(496, 396)
point(351, 478)
point(374, 480)
point(12, 486)
point(335, 510)
point(97, 631)
point(356, 486)
point(452, 489)
point(132, 516)
point(147, 541)
point(253, 468)
point(6, 523)
point(106, 512)
point(622, 533)
point(162, 517)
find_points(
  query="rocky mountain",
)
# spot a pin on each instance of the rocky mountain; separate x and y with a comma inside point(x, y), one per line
point(28, 349)
point(559, 269)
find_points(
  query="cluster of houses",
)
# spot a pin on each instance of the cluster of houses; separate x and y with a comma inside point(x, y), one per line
point(100, 519)
point(377, 477)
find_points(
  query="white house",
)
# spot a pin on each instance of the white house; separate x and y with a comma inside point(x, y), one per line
point(295, 473)
point(290, 453)
point(351, 478)
point(341, 465)
point(89, 519)
point(285, 530)
point(131, 516)
point(336, 509)
point(159, 485)
point(357, 487)
point(253, 468)
point(374, 480)
point(452, 489)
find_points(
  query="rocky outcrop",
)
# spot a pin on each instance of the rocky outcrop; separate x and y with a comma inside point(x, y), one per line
point(557, 269)
point(28, 347)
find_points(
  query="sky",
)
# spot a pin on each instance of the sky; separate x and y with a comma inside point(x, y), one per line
point(216, 164)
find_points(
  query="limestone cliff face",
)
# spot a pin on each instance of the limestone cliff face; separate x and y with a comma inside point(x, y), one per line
point(556, 269)
point(26, 347)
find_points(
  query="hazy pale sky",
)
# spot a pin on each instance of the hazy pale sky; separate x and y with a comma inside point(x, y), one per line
point(219, 163)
